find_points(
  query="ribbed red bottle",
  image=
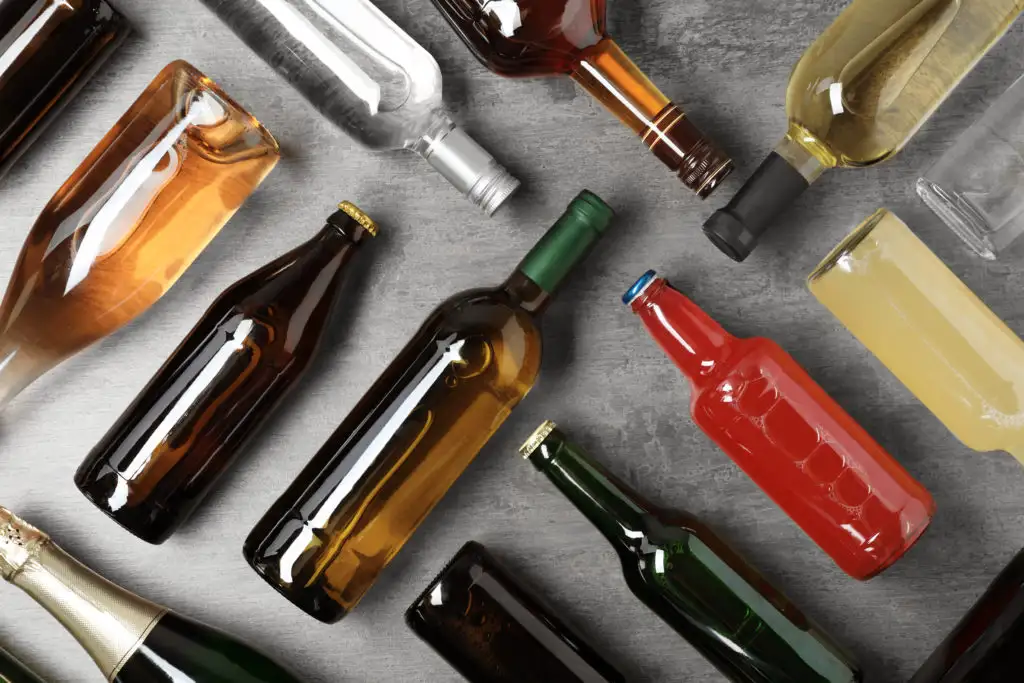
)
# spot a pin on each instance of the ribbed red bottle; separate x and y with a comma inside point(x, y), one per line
point(815, 461)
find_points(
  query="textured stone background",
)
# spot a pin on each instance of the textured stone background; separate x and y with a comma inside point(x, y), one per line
point(727, 61)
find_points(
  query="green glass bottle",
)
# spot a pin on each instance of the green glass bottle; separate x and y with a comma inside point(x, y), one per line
point(680, 569)
point(13, 671)
point(131, 639)
point(326, 540)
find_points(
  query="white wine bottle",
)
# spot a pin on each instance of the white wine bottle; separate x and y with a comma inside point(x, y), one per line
point(131, 639)
point(858, 95)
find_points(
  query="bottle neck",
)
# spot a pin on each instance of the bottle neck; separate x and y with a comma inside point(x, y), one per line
point(526, 293)
point(616, 510)
point(107, 620)
point(805, 152)
point(611, 77)
point(689, 336)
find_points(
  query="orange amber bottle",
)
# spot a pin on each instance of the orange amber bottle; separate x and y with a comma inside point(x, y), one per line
point(551, 37)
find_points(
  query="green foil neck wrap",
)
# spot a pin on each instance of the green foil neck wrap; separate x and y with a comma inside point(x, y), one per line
point(568, 241)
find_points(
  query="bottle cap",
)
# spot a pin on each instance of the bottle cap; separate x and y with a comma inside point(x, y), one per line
point(471, 169)
point(736, 229)
point(19, 542)
point(537, 438)
point(359, 217)
point(639, 287)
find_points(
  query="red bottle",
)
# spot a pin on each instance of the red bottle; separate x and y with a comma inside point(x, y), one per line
point(843, 489)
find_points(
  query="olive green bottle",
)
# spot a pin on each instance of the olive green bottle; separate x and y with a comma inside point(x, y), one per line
point(690, 578)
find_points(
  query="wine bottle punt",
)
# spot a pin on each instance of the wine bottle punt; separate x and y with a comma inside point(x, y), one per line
point(334, 530)
point(131, 639)
point(167, 451)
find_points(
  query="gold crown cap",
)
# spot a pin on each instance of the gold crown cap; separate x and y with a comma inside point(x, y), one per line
point(356, 214)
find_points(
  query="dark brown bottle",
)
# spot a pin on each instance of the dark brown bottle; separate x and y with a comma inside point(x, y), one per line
point(164, 454)
point(492, 630)
point(48, 51)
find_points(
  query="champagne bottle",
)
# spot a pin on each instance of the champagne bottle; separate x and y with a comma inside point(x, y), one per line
point(165, 453)
point(48, 52)
point(350, 511)
point(493, 630)
point(13, 671)
point(128, 222)
point(131, 639)
point(985, 646)
point(553, 37)
point(680, 569)
point(858, 95)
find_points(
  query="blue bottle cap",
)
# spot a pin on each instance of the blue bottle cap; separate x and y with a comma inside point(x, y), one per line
point(638, 288)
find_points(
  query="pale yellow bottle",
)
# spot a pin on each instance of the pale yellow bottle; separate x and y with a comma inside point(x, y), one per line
point(888, 288)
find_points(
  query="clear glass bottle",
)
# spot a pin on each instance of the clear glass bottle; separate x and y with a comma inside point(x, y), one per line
point(902, 302)
point(491, 629)
point(128, 222)
point(131, 639)
point(369, 78)
point(48, 51)
point(325, 541)
point(858, 95)
point(520, 38)
point(689, 577)
point(157, 463)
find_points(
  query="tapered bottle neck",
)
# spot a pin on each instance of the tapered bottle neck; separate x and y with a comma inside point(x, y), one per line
point(108, 621)
point(691, 338)
point(617, 511)
point(611, 77)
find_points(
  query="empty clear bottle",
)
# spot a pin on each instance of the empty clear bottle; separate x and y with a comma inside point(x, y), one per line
point(370, 79)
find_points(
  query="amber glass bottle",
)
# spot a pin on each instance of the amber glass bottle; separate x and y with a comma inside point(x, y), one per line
point(493, 630)
point(551, 37)
point(165, 453)
point(129, 221)
point(48, 51)
point(350, 511)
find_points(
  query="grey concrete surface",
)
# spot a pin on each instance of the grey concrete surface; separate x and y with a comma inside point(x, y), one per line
point(727, 62)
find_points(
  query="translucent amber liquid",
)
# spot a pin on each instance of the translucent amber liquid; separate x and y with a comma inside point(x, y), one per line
point(872, 79)
point(129, 221)
point(935, 335)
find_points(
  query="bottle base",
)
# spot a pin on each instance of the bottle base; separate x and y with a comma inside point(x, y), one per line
point(311, 601)
point(960, 216)
point(149, 523)
point(917, 522)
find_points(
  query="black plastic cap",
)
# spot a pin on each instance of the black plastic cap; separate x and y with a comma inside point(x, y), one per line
point(736, 229)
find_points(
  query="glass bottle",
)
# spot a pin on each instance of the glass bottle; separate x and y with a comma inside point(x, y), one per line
point(131, 639)
point(326, 540)
point(129, 221)
point(985, 646)
point(553, 37)
point(13, 671)
point(690, 578)
point(48, 51)
point(493, 630)
point(165, 453)
point(858, 95)
point(371, 80)
point(895, 295)
point(843, 489)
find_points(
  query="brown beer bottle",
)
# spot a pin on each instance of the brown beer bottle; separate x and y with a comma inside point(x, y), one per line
point(48, 51)
point(164, 454)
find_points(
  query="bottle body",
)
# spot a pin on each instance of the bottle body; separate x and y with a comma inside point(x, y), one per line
point(985, 646)
point(325, 541)
point(545, 38)
point(165, 453)
point(129, 221)
point(493, 630)
point(898, 298)
point(13, 671)
point(370, 79)
point(52, 49)
point(690, 578)
point(836, 482)
point(131, 639)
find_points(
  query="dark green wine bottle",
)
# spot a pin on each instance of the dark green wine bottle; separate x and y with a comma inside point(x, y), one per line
point(680, 569)
point(13, 671)
point(131, 639)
